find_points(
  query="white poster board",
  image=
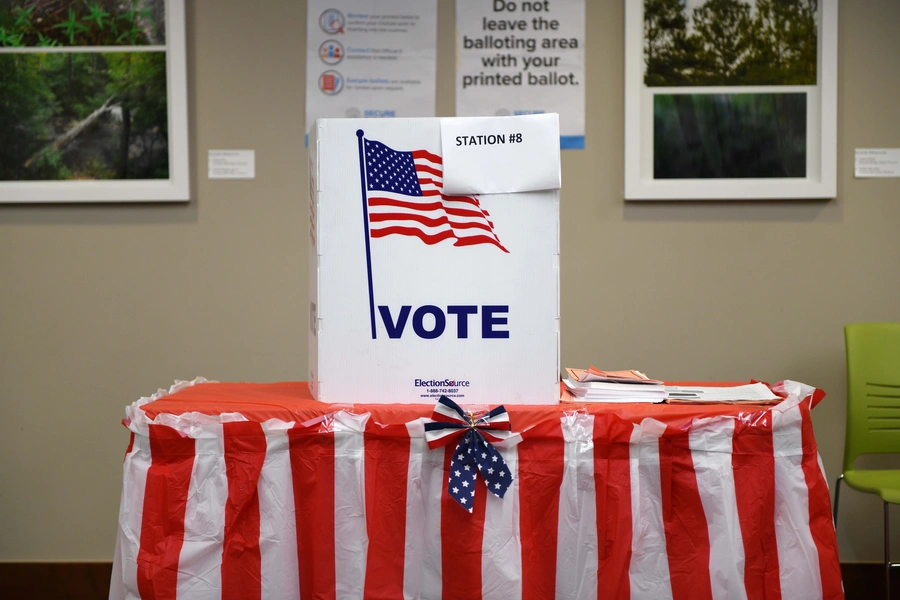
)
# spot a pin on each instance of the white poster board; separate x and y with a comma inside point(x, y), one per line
point(415, 294)
point(521, 58)
point(370, 58)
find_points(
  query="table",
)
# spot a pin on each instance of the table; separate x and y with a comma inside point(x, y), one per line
point(243, 490)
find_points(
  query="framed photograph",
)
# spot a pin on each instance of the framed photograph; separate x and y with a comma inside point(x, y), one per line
point(93, 101)
point(730, 99)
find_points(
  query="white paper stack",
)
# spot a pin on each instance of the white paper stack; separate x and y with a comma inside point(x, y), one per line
point(607, 391)
point(753, 393)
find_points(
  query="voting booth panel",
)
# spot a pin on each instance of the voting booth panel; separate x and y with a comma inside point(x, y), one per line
point(415, 293)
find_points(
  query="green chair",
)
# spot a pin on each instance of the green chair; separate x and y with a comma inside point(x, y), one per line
point(873, 417)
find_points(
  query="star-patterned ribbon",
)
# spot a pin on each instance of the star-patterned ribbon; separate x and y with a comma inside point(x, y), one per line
point(474, 453)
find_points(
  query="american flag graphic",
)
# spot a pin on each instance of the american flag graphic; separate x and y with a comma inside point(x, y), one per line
point(257, 491)
point(405, 197)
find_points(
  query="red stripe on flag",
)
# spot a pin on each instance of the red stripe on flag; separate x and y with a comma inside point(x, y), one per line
point(312, 470)
point(428, 221)
point(612, 482)
point(387, 471)
point(541, 465)
point(423, 206)
point(821, 525)
point(420, 168)
point(687, 534)
point(477, 211)
point(427, 155)
point(462, 535)
point(165, 499)
point(462, 212)
point(245, 452)
point(438, 184)
point(473, 240)
point(753, 462)
point(412, 231)
point(460, 199)
point(436, 238)
point(464, 199)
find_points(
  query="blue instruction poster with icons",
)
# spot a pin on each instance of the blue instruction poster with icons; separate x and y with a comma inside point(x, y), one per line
point(370, 58)
point(522, 57)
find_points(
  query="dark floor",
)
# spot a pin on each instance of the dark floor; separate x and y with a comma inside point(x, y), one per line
point(55, 581)
point(865, 581)
point(90, 581)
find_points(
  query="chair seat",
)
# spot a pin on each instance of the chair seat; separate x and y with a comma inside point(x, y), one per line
point(884, 482)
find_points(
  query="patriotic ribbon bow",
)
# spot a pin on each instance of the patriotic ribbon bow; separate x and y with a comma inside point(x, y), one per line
point(474, 452)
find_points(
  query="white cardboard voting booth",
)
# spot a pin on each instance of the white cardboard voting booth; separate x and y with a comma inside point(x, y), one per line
point(415, 293)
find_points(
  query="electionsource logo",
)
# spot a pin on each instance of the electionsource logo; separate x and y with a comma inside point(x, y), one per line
point(444, 383)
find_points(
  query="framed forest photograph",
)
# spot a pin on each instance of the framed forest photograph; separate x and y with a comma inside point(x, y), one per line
point(730, 99)
point(93, 101)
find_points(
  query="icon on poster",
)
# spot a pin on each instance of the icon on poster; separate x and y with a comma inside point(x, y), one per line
point(331, 82)
point(352, 113)
point(332, 21)
point(331, 52)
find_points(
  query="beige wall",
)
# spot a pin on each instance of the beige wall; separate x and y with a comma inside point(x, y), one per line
point(102, 304)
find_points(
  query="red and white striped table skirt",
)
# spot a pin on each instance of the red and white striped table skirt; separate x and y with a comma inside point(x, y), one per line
point(604, 504)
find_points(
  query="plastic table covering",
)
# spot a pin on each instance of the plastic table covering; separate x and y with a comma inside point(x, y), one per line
point(243, 490)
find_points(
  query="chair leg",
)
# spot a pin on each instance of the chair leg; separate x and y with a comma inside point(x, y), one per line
point(887, 552)
point(837, 497)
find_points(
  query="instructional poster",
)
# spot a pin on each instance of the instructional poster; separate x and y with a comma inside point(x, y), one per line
point(370, 58)
point(522, 58)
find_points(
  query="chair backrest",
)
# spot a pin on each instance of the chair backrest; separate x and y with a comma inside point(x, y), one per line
point(873, 390)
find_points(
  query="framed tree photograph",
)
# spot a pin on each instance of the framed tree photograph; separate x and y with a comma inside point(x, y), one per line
point(93, 101)
point(730, 99)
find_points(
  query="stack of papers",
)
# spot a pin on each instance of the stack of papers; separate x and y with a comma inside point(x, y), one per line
point(593, 385)
point(753, 393)
point(594, 374)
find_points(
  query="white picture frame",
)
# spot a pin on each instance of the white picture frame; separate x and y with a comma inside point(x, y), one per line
point(174, 188)
point(819, 179)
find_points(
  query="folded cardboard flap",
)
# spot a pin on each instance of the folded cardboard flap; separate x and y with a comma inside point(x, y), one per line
point(500, 155)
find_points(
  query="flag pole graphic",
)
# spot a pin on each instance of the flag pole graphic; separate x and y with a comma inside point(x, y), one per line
point(365, 205)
